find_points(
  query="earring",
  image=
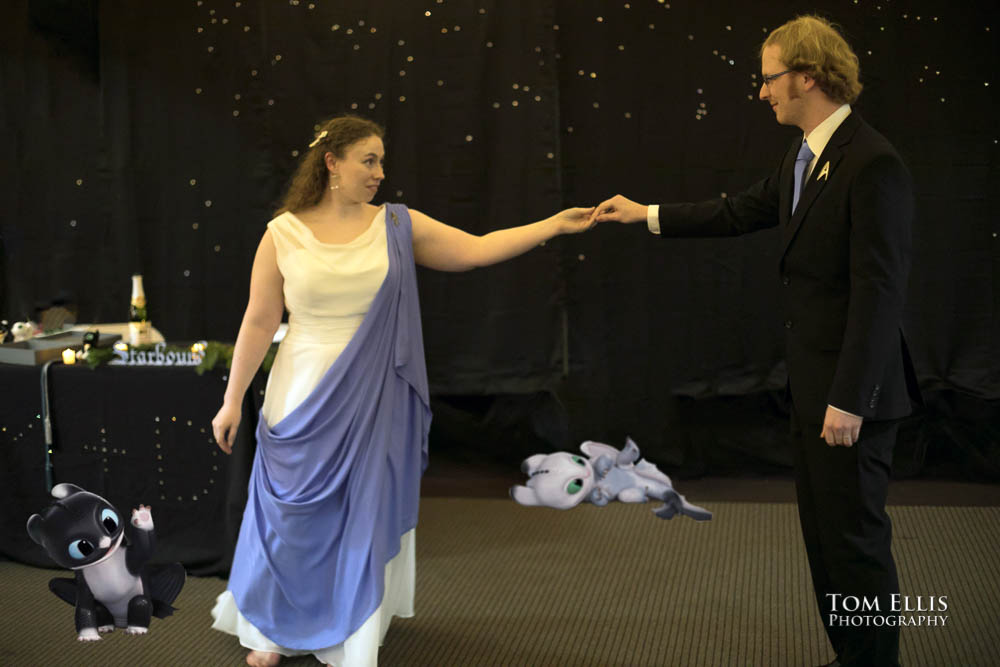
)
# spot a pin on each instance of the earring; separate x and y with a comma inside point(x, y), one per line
point(334, 186)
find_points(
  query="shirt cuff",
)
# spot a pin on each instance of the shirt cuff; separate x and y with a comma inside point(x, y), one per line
point(653, 218)
point(845, 412)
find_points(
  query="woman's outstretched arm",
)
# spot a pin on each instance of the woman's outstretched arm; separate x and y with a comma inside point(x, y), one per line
point(444, 248)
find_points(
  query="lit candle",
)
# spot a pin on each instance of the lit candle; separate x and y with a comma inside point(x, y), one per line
point(69, 356)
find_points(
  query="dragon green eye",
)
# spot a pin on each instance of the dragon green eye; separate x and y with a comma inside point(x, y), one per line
point(577, 460)
point(574, 486)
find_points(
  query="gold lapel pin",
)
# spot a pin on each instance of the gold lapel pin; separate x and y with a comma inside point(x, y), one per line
point(395, 220)
point(825, 172)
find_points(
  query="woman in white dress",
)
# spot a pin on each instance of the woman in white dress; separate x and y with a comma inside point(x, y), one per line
point(345, 415)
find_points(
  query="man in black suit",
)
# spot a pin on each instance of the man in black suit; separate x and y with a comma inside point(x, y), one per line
point(843, 200)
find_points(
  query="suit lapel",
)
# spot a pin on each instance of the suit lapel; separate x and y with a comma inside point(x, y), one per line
point(825, 169)
point(786, 184)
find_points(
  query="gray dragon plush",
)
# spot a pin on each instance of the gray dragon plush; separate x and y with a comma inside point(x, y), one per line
point(563, 480)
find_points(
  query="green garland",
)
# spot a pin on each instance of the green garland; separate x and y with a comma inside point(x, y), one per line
point(98, 356)
point(214, 353)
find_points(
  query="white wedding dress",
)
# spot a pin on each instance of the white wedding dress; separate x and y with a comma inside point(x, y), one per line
point(328, 289)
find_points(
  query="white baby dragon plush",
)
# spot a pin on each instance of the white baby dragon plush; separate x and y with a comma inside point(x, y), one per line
point(563, 480)
point(22, 331)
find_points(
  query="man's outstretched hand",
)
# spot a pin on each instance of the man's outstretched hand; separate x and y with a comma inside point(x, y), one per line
point(619, 209)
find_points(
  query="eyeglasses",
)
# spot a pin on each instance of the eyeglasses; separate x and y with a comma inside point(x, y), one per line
point(768, 78)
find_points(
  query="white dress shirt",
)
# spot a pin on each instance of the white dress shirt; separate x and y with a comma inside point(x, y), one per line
point(820, 136)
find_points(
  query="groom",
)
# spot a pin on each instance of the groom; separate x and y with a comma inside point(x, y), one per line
point(843, 200)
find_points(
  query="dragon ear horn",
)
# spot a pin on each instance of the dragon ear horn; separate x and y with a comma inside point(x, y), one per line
point(531, 463)
point(35, 528)
point(524, 495)
point(65, 489)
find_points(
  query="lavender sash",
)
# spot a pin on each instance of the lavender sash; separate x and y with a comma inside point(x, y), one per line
point(336, 483)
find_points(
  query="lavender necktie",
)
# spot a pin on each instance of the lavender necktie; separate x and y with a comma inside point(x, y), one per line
point(802, 161)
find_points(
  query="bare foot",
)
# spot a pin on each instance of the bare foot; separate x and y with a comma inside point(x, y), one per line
point(263, 659)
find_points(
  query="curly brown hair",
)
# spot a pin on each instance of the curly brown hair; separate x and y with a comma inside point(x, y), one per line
point(310, 179)
point(812, 45)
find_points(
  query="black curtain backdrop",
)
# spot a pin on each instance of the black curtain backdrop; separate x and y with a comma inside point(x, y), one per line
point(158, 138)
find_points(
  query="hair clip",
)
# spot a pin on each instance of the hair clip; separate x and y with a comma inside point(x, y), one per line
point(319, 138)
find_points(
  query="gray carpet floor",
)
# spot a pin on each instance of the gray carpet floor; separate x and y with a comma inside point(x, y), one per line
point(500, 584)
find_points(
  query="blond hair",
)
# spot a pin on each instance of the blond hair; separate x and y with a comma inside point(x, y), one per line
point(812, 45)
point(311, 178)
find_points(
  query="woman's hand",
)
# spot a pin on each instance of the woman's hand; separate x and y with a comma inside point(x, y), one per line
point(574, 220)
point(224, 426)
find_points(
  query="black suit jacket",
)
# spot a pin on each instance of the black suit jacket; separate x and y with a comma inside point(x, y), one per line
point(843, 270)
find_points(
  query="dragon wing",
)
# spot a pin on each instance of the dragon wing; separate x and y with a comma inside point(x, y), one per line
point(165, 583)
point(64, 588)
point(644, 468)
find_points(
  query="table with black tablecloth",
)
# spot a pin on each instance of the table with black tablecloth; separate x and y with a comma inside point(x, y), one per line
point(134, 435)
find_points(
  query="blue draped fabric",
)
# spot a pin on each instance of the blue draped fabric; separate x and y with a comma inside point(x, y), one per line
point(336, 483)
